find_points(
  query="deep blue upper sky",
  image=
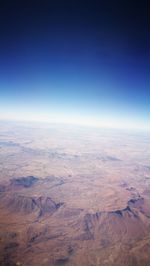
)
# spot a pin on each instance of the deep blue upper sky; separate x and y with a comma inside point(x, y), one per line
point(76, 60)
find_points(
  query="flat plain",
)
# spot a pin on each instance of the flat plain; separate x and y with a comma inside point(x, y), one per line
point(74, 196)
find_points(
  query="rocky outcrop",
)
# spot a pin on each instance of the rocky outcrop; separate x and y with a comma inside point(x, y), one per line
point(122, 222)
point(47, 205)
point(26, 182)
point(24, 204)
point(15, 201)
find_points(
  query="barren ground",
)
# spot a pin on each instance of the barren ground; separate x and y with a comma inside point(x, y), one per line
point(74, 196)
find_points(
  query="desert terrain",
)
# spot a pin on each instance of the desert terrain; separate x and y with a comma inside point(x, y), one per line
point(73, 196)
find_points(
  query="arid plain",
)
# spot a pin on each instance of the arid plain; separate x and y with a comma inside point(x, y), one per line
point(74, 196)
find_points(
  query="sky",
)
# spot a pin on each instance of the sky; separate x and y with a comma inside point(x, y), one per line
point(81, 62)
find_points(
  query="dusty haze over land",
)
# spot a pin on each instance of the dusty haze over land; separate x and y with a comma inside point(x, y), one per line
point(73, 196)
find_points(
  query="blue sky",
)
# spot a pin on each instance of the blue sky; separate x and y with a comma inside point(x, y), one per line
point(76, 62)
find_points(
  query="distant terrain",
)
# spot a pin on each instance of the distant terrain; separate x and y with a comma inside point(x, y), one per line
point(73, 196)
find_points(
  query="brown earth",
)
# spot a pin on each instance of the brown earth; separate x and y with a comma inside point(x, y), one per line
point(74, 196)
